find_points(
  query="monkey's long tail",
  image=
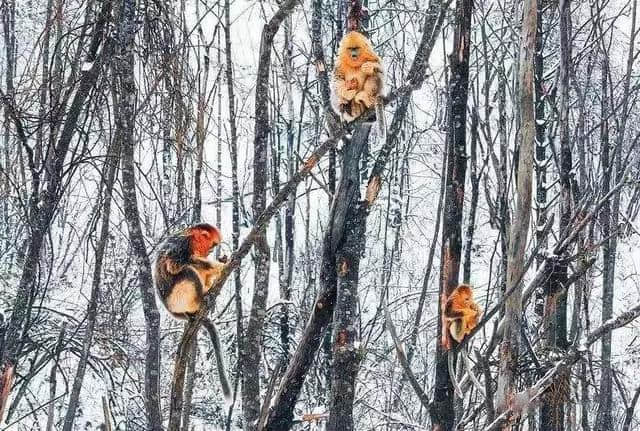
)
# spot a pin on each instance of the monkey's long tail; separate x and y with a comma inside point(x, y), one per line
point(381, 120)
point(452, 373)
point(217, 349)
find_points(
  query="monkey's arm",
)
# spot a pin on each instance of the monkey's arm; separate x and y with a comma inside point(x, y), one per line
point(342, 90)
point(371, 88)
point(209, 271)
point(170, 265)
point(371, 68)
point(451, 311)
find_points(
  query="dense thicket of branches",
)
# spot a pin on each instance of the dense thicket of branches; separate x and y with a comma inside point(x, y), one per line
point(511, 162)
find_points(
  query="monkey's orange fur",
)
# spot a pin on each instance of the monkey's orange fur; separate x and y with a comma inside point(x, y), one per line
point(203, 239)
point(461, 312)
point(358, 76)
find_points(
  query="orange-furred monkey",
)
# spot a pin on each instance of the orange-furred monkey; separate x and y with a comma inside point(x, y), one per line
point(461, 315)
point(183, 275)
point(461, 312)
point(358, 79)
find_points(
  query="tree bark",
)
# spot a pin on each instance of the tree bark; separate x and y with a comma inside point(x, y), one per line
point(509, 348)
point(347, 246)
point(125, 94)
point(442, 407)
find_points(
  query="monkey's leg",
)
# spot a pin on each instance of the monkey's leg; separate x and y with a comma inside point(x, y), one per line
point(456, 329)
point(217, 349)
point(355, 110)
point(344, 92)
point(184, 297)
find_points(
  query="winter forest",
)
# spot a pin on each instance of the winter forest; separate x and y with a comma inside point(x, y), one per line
point(462, 253)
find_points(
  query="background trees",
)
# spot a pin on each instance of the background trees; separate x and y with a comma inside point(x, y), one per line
point(123, 121)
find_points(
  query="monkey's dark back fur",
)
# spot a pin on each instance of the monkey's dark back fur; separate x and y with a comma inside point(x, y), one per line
point(176, 248)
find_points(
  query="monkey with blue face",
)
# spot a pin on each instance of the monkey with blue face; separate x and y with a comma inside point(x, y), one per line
point(358, 80)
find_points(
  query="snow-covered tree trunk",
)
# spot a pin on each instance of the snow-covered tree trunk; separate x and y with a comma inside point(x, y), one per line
point(509, 349)
point(442, 408)
point(125, 96)
point(347, 246)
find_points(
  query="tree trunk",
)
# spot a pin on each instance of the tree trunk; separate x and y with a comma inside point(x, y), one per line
point(475, 194)
point(348, 247)
point(609, 220)
point(442, 411)
point(555, 308)
point(250, 359)
point(235, 188)
point(541, 136)
point(125, 94)
point(509, 349)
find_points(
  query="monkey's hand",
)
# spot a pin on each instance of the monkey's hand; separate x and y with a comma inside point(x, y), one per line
point(353, 84)
point(370, 68)
point(223, 259)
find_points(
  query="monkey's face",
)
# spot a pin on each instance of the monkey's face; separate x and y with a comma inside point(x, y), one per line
point(354, 52)
point(203, 240)
point(355, 49)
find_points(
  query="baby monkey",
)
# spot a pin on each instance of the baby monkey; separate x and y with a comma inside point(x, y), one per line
point(183, 276)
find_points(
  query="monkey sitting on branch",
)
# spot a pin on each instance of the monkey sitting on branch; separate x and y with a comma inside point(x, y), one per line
point(183, 275)
point(358, 79)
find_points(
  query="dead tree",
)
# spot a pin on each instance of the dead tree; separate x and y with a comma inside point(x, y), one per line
point(442, 411)
point(509, 348)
